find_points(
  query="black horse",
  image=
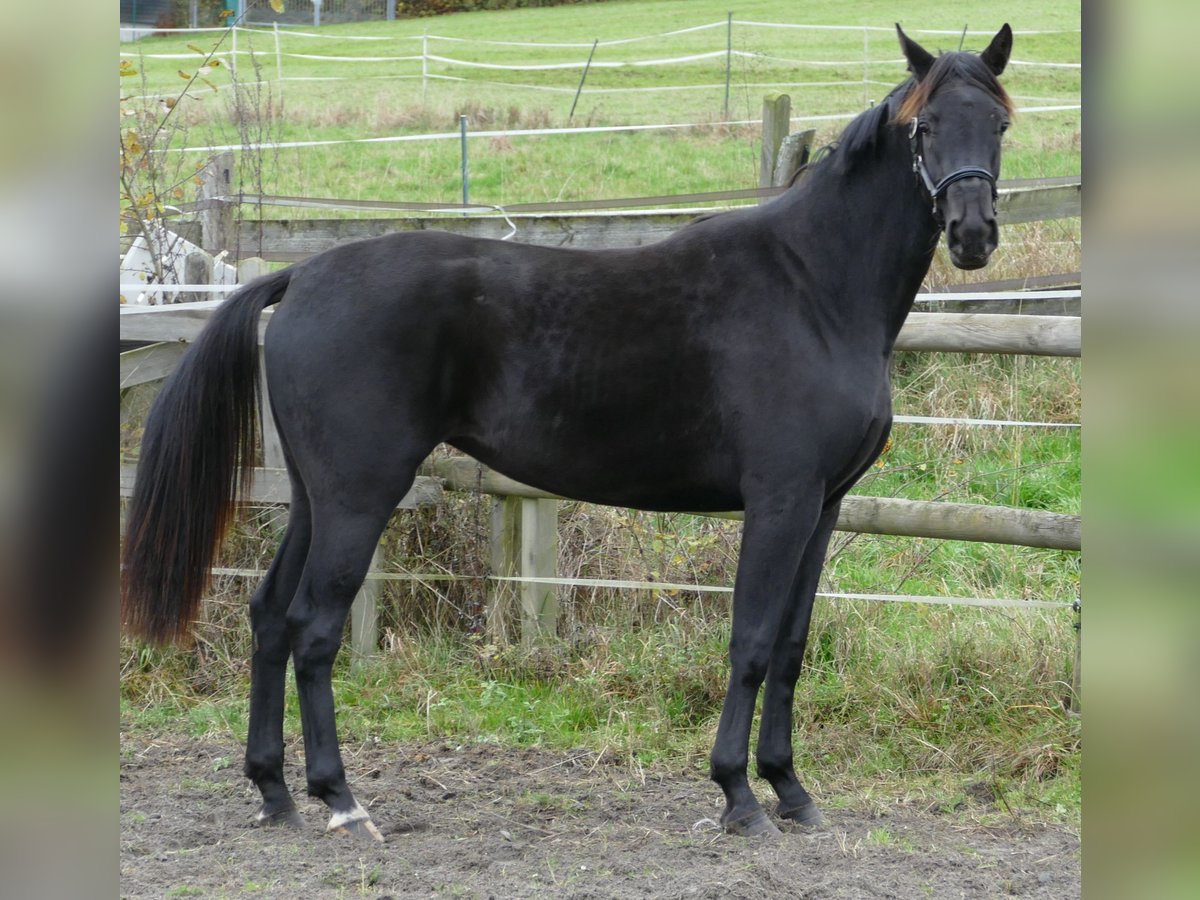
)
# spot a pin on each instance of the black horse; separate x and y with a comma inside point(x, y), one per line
point(740, 363)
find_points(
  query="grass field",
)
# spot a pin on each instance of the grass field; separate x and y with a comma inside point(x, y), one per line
point(898, 700)
point(390, 97)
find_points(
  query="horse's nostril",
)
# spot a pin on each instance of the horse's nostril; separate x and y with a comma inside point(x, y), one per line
point(952, 232)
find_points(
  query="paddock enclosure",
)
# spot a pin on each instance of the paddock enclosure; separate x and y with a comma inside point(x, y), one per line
point(485, 819)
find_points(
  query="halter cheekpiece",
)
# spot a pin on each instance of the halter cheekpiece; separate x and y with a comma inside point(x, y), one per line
point(937, 189)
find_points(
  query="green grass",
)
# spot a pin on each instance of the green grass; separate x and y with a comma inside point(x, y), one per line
point(385, 99)
point(896, 701)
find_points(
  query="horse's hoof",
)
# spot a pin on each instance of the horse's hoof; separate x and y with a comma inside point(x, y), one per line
point(361, 830)
point(805, 814)
point(288, 817)
point(755, 824)
point(355, 823)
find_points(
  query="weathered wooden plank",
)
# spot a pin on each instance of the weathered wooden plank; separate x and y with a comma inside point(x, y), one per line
point(539, 559)
point(867, 515)
point(176, 322)
point(271, 487)
point(272, 447)
point(1026, 304)
point(217, 214)
point(960, 522)
point(506, 563)
point(984, 333)
point(364, 614)
point(776, 123)
point(147, 364)
point(1040, 204)
point(289, 240)
point(197, 269)
point(794, 152)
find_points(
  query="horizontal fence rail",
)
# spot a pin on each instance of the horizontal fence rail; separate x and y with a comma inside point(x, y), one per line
point(864, 515)
point(292, 240)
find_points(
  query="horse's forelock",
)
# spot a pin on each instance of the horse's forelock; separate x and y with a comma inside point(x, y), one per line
point(862, 136)
point(968, 67)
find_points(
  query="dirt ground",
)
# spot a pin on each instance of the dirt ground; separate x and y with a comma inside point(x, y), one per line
point(485, 821)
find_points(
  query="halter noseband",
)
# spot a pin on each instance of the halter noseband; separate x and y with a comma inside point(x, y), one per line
point(937, 189)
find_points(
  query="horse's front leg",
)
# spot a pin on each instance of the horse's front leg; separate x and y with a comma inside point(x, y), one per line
point(775, 534)
point(775, 732)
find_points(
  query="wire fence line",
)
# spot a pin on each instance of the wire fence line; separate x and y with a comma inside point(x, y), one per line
point(541, 132)
point(256, 28)
point(573, 65)
point(724, 51)
point(674, 587)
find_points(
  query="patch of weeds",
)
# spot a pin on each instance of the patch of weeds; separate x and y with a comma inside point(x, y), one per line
point(336, 876)
point(539, 801)
point(368, 878)
point(883, 837)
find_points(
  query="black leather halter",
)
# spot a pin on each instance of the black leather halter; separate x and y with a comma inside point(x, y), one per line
point(936, 189)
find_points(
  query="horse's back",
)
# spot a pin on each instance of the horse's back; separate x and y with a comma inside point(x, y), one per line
point(636, 377)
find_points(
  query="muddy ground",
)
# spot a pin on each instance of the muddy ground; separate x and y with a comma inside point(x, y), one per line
point(485, 821)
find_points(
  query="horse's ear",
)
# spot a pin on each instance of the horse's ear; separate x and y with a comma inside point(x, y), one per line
point(996, 55)
point(919, 59)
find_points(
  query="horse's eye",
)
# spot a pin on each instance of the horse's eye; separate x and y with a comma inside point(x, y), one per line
point(1003, 127)
point(923, 127)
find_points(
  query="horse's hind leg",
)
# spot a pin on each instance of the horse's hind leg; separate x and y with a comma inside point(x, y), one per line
point(346, 530)
point(268, 666)
point(774, 754)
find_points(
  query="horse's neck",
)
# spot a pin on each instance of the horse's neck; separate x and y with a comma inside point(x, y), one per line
point(873, 234)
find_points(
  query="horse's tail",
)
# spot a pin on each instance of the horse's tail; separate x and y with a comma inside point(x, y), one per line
point(196, 455)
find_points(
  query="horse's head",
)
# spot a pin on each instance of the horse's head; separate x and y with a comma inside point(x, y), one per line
point(956, 113)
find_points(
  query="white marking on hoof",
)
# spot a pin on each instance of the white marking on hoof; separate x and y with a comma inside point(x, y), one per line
point(353, 820)
point(342, 819)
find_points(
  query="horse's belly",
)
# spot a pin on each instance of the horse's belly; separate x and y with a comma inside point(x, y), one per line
point(615, 469)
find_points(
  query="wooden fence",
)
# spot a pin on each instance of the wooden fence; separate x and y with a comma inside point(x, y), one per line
point(290, 240)
point(524, 535)
point(524, 532)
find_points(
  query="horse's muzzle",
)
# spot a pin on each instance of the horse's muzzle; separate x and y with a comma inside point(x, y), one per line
point(972, 234)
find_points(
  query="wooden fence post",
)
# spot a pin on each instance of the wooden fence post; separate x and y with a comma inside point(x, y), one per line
point(272, 448)
point(539, 559)
point(364, 615)
point(506, 563)
point(524, 543)
point(216, 218)
point(776, 123)
point(197, 269)
point(793, 153)
point(1074, 702)
point(250, 268)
